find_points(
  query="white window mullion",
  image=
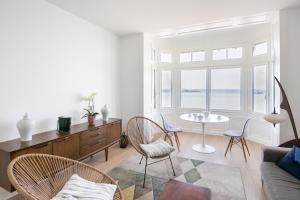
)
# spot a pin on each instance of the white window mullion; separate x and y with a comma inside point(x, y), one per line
point(208, 86)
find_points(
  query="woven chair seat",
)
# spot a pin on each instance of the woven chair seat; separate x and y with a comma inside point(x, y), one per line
point(42, 176)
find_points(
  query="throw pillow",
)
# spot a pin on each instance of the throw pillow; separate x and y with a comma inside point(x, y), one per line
point(79, 188)
point(289, 164)
point(297, 154)
point(159, 148)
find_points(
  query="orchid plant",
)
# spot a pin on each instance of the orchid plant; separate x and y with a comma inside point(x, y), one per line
point(90, 111)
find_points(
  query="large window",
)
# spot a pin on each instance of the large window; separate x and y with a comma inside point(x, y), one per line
point(166, 88)
point(225, 89)
point(259, 92)
point(193, 89)
point(221, 79)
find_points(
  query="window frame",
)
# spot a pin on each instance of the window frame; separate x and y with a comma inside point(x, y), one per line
point(256, 64)
point(260, 55)
point(160, 89)
point(241, 88)
point(205, 56)
point(206, 92)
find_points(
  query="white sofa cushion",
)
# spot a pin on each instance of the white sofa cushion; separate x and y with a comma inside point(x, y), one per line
point(77, 188)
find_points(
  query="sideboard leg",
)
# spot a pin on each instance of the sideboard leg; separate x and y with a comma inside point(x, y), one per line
point(106, 154)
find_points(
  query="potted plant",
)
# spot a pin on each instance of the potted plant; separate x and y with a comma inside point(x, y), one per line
point(90, 111)
point(91, 115)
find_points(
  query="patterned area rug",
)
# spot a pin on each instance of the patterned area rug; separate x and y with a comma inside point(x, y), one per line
point(224, 181)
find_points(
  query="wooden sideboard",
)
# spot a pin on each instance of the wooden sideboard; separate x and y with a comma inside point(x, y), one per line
point(81, 142)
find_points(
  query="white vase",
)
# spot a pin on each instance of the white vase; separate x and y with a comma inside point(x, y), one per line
point(25, 127)
point(104, 113)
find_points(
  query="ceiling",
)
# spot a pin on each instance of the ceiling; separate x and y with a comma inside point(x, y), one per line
point(133, 16)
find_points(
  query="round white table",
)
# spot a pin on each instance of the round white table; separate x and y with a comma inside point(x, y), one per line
point(200, 118)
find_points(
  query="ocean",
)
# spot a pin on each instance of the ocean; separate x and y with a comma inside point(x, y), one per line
point(220, 99)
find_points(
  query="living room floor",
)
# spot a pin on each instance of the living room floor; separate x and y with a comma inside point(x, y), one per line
point(249, 171)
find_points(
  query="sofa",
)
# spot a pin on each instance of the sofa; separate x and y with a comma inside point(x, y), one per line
point(277, 183)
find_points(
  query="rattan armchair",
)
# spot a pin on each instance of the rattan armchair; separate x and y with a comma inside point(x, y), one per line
point(42, 176)
point(141, 130)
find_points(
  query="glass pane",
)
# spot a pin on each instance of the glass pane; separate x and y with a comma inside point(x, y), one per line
point(198, 56)
point(193, 88)
point(260, 49)
point(185, 57)
point(260, 89)
point(165, 57)
point(234, 53)
point(226, 89)
point(220, 54)
point(166, 89)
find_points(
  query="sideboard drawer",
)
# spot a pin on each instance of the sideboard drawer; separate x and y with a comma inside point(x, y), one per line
point(67, 147)
point(45, 148)
point(92, 147)
point(89, 137)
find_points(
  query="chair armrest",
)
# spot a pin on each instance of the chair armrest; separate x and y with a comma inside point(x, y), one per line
point(273, 154)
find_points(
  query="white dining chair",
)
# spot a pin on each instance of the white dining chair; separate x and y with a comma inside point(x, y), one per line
point(172, 130)
point(237, 137)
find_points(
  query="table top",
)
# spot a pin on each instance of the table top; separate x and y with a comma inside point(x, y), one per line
point(200, 118)
point(177, 190)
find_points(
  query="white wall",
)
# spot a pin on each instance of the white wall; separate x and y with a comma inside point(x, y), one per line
point(290, 66)
point(132, 51)
point(49, 58)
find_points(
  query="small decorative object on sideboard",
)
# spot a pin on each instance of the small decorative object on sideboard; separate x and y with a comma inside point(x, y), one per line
point(90, 111)
point(104, 113)
point(63, 124)
point(25, 127)
point(123, 140)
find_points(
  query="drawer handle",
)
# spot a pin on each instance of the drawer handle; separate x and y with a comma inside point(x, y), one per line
point(61, 140)
point(95, 135)
point(93, 129)
point(41, 146)
point(94, 144)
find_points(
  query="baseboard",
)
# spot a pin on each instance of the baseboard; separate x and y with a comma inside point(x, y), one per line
point(253, 138)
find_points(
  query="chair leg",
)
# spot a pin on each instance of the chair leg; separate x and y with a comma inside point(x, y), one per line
point(229, 144)
point(177, 140)
point(246, 146)
point(244, 151)
point(141, 159)
point(172, 165)
point(145, 172)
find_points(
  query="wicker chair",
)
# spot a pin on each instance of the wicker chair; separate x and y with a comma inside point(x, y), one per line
point(42, 176)
point(141, 130)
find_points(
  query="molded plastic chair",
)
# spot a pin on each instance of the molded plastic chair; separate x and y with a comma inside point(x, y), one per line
point(172, 130)
point(42, 176)
point(237, 137)
point(141, 130)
